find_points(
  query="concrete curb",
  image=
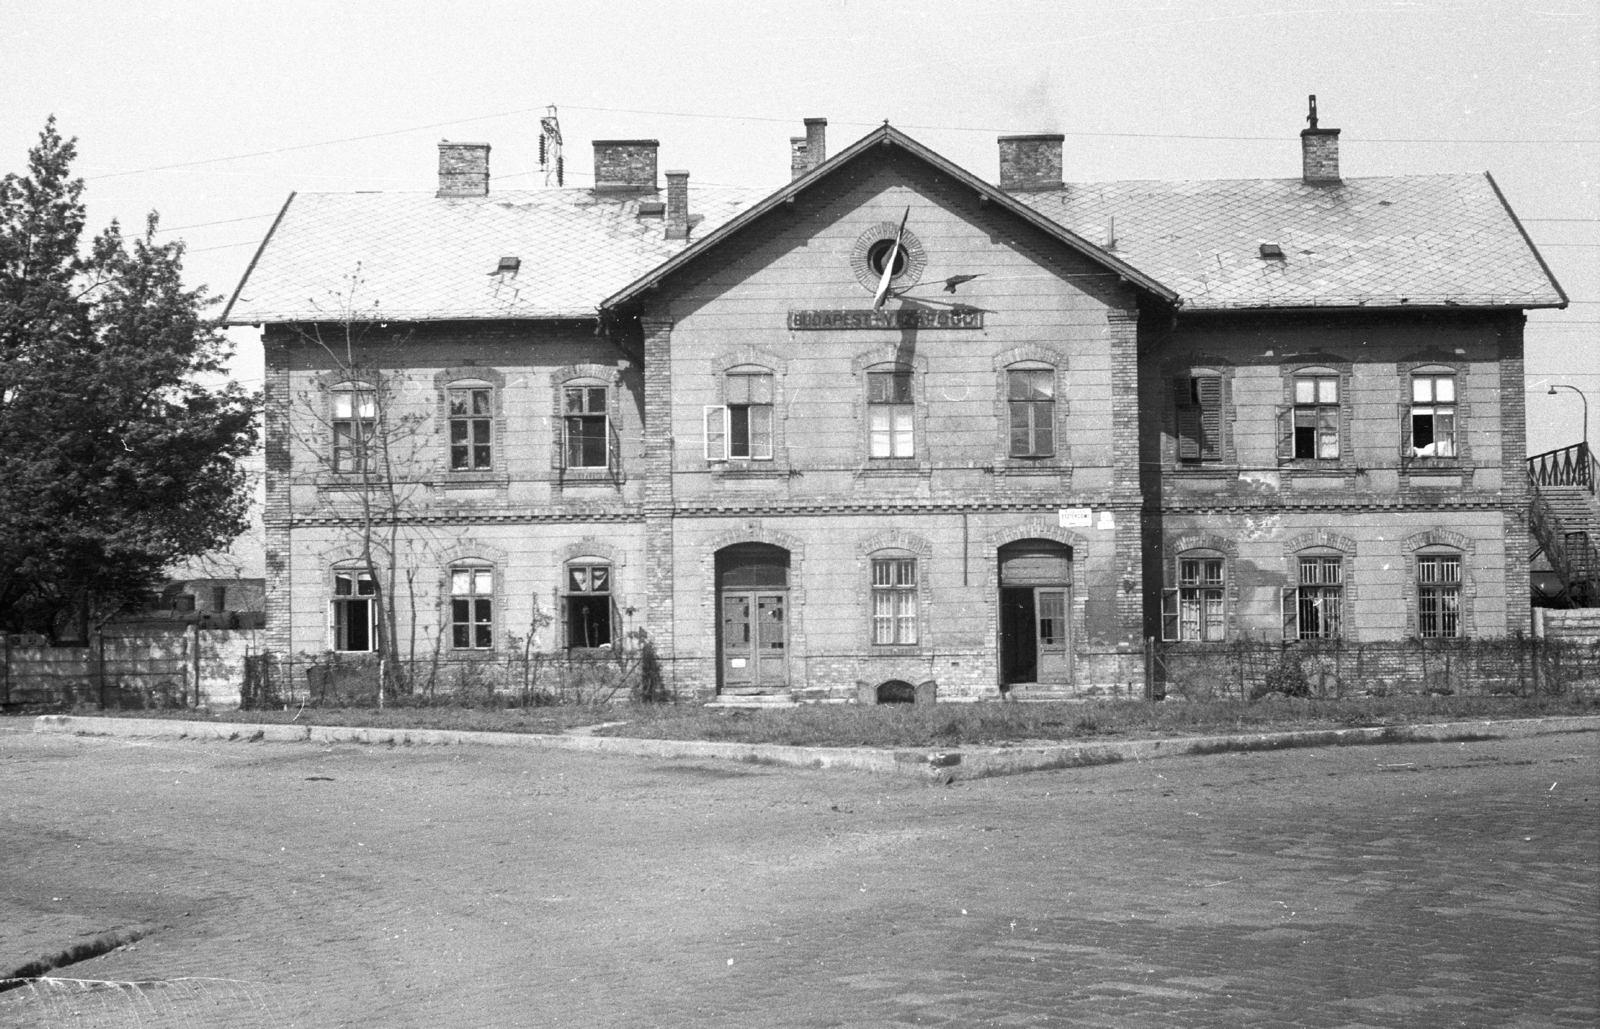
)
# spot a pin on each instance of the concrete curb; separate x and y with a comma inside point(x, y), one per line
point(934, 765)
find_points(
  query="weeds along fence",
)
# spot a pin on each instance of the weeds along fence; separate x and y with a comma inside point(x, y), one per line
point(529, 678)
point(1250, 669)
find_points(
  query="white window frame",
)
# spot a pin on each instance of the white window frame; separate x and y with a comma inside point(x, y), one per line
point(1445, 592)
point(471, 419)
point(1433, 407)
point(339, 605)
point(894, 601)
point(1196, 610)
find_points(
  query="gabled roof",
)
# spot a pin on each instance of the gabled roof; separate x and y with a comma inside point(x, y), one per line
point(890, 136)
point(1414, 241)
point(425, 258)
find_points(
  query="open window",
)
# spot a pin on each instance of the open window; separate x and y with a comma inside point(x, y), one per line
point(741, 429)
point(589, 606)
point(1196, 609)
point(1313, 608)
point(1431, 428)
point(355, 410)
point(1308, 429)
point(353, 611)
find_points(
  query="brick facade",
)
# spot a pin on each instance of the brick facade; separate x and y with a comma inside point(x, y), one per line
point(858, 445)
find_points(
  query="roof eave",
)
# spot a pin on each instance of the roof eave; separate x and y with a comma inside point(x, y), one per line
point(225, 320)
point(889, 136)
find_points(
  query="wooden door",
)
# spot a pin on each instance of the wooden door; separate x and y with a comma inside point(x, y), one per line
point(772, 639)
point(1050, 620)
point(738, 666)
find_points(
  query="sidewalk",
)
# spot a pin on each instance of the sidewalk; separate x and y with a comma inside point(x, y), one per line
point(932, 764)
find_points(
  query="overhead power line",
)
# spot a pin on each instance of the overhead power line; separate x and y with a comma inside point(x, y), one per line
point(793, 121)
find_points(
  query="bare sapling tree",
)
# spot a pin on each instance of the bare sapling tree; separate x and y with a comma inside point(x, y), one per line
point(366, 428)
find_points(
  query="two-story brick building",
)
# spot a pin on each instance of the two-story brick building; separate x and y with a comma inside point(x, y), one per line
point(893, 424)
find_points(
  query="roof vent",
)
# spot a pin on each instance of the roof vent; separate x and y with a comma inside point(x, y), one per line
point(1272, 252)
point(651, 209)
point(508, 266)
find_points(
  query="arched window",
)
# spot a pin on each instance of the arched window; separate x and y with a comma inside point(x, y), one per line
point(472, 606)
point(894, 598)
point(1309, 427)
point(471, 413)
point(1031, 406)
point(1439, 576)
point(1196, 609)
point(741, 428)
point(355, 410)
point(1313, 607)
point(353, 610)
point(1431, 429)
point(891, 413)
point(588, 600)
point(1197, 397)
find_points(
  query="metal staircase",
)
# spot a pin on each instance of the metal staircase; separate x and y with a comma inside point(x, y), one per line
point(1564, 518)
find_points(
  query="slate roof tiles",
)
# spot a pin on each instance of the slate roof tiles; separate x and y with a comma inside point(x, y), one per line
point(1375, 242)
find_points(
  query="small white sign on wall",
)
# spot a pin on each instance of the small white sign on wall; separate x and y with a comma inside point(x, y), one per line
point(1107, 520)
point(1076, 517)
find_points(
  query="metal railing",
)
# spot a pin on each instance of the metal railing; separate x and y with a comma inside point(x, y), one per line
point(1568, 466)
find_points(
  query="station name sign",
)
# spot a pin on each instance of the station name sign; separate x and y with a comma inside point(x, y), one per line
point(915, 318)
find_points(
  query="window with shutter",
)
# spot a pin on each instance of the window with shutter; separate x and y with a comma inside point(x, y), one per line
point(1198, 403)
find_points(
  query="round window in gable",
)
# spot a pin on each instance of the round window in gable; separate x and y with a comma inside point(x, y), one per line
point(872, 251)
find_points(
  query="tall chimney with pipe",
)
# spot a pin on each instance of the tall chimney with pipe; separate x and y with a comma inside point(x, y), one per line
point(463, 169)
point(677, 205)
point(1031, 162)
point(625, 165)
point(1319, 151)
point(816, 141)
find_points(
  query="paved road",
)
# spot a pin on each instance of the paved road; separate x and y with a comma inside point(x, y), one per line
point(1416, 885)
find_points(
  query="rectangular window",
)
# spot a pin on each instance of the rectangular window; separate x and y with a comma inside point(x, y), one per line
point(588, 605)
point(471, 608)
point(1313, 608)
point(889, 414)
point(586, 426)
point(1196, 610)
point(741, 429)
point(1198, 399)
point(354, 610)
point(1031, 399)
point(1438, 596)
point(1312, 429)
point(471, 429)
point(894, 601)
point(1433, 416)
point(354, 418)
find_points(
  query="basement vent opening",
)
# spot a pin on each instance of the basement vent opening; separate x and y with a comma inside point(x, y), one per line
point(508, 266)
point(1272, 251)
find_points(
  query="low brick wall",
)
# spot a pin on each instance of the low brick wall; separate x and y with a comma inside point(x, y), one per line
point(146, 671)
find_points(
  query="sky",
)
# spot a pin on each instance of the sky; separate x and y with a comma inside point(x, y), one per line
point(211, 113)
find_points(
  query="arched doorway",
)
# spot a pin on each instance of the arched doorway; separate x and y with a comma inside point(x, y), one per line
point(753, 623)
point(1035, 598)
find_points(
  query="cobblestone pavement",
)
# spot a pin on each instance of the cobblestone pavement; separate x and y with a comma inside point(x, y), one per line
point(290, 884)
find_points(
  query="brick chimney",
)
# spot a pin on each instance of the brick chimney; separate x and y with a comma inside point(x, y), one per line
point(463, 169)
point(625, 165)
point(798, 164)
point(1031, 162)
point(816, 141)
point(677, 205)
point(1319, 151)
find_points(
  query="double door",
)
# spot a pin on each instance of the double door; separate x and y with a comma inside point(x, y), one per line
point(755, 639)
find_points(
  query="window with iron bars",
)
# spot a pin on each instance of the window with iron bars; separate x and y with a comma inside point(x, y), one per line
point(1438, 595)
point(1313, 609)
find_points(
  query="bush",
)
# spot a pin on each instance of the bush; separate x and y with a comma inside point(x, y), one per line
point(1286, 678)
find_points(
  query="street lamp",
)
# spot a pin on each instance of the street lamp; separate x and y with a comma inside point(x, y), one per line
point(1561, 385)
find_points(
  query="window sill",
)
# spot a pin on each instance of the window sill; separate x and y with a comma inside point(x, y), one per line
point(469, 656)
point(588, 476)
point(749, 470)
point(472, 480)
point(895, 650)
point(1433, 465)
point(894, 467)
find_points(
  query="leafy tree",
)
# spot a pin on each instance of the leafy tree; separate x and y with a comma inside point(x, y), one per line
point(116, 461)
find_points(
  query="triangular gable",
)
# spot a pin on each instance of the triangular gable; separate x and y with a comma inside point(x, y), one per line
point(889, 136)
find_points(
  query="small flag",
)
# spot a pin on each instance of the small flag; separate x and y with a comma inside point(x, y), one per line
point(888, 265)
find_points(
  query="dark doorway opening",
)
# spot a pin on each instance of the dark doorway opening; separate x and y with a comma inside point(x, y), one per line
point(1035, 592)
point(897, 691)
